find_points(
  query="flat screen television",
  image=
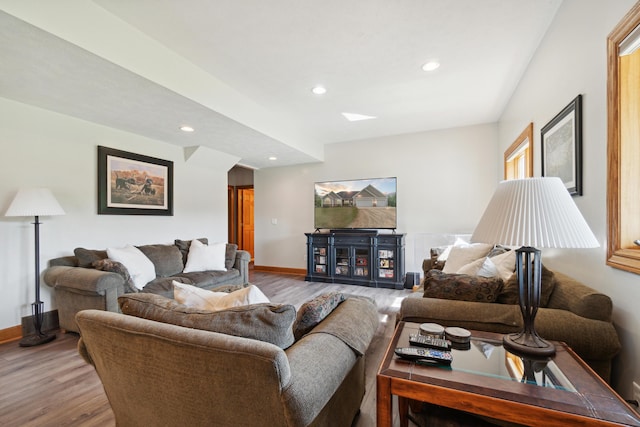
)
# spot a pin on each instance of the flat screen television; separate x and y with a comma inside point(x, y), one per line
point(356, 204)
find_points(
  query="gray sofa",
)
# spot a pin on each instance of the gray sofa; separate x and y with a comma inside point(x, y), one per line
point(574, 313)
point(157, 373)
point(81, 282)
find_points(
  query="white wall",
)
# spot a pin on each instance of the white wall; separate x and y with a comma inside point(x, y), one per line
point(445, 180)
point(40, 148)
point(572, 60)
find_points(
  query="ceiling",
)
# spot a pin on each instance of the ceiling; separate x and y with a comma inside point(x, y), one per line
point(241, 72)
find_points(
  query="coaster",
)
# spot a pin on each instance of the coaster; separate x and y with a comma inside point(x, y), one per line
point(432, 329)
point(457, 335)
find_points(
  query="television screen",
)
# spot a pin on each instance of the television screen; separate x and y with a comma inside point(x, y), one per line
point(361, 203)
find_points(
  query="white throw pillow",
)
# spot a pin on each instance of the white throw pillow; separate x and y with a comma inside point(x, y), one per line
point(483, 267)
point(140, 268)
point(505, 264)
point(202, 299)
point(463, 255)
point(205, 257)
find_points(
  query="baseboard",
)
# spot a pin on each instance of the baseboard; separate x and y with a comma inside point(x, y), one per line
point(281, 270)
point(50, 322)
point(13, 333)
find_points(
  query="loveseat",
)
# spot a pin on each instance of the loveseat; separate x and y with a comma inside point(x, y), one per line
point(157, 373)
point(570, 312)
point(89, 279)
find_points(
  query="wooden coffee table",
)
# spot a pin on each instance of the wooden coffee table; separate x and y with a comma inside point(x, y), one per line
point(486, 380)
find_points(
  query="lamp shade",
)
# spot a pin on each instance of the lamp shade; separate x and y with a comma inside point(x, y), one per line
point(34, 202)
point(537, 212)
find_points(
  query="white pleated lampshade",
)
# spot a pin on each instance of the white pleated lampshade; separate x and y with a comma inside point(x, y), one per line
point(536, 212)
point(34, 202)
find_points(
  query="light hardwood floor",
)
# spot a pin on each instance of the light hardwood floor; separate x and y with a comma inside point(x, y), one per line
point(50, 385)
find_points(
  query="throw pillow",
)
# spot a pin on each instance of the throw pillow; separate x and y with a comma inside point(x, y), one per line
point(511, 295)
point(167, 259)
point(116, 267)
point(265, 322)
point(203, 257)
point(193, 296)
point(86, 257)
point(184, 245)
point(505, 264)
point(140, 267)
point(465, 254)
point(483, 267)
point(461, 287)
point(314, 311)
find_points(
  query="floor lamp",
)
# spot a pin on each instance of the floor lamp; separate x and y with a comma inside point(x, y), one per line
point(35, 202)
point(532, 212)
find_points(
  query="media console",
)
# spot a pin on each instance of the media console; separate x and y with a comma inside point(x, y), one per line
point(356, 257)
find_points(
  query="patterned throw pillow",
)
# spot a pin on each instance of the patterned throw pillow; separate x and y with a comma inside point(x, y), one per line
point(314, 311)
point(461, 287)
point(510, 294)
point(116, 267)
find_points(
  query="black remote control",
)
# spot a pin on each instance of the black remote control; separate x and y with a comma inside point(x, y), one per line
point(412, 353)
point(429, 342)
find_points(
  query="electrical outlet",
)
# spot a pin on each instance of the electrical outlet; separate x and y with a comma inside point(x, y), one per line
point(636, 392)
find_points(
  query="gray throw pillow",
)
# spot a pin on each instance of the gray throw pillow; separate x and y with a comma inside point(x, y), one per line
point(116, 267)
point(264, 322)
point(312, 312)
point(86, 257)
point(167, 259)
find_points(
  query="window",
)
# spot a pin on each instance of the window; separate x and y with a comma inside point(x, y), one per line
point(623, 149)
point(518, 158)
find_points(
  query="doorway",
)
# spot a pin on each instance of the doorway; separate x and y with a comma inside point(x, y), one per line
point(241, 208)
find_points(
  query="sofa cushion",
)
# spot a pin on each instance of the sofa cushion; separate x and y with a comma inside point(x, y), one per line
point(265, 322)
point(230, 255)
point(86, 257)
point(193, 296)
point(164, 285)
point(167, 259)
point(510, 294)
point(140, 267)
point(184, 245)
point(203, 257)
point(314, 311)
point(210, 279)
point(116, 267)
point(461, 287)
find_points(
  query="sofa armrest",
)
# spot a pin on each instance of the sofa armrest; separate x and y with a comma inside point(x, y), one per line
point(83, 280)
point(572, 295)
point(242, 265)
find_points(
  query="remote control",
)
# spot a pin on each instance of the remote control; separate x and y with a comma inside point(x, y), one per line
point(429, 342)
point(412, 353)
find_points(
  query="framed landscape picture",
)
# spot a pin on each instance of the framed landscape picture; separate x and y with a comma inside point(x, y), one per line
point(133, 184)
point(562, 147)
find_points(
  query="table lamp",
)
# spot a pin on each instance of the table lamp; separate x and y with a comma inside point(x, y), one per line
point(532, 212)
point(35, 202)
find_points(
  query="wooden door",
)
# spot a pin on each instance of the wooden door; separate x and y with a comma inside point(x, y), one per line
point(245, 220)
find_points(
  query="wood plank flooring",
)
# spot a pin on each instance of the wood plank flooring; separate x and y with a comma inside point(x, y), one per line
point(50, 385)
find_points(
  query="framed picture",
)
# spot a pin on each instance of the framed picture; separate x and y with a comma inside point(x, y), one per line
point(562, 147)
point(133, 184)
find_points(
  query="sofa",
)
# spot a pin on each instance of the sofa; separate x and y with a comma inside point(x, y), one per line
point(89, 279)
point(159, 373)
point(570, 311)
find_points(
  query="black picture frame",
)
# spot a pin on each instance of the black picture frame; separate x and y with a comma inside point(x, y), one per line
point(561, 145)
point(133, 184)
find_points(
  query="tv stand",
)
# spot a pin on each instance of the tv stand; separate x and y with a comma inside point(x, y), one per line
point(356, 257)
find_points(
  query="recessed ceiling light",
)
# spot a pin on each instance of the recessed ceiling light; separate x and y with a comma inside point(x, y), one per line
point(319, 90)
point(431, 65)
point(272, 158)
point(354, 117)
point(186, 129)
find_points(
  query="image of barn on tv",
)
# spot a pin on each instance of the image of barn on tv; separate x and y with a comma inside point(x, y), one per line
point(356, 204)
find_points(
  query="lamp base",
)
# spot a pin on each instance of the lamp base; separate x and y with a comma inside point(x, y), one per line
point(36, 339)
point(528, 344)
